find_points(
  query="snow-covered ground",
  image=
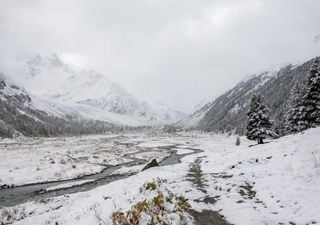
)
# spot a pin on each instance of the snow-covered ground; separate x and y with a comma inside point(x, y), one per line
point(35, 160)
point(267, 184)
point(274, 183)
point(181, 151)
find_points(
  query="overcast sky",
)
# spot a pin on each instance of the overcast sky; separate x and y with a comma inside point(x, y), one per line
point(179, 50)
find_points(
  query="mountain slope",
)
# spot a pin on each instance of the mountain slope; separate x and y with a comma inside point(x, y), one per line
point(192, 120)
point(20, 114)
point(227, 113)
point(93, 89)
point(49, 78)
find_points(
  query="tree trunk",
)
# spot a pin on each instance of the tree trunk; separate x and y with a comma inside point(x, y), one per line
point(260, 140)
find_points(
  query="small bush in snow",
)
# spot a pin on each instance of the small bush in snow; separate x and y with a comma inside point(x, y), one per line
point(161, 207)
point(10, 215)
point(151, 186)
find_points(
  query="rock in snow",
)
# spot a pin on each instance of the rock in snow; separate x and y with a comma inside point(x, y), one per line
point(152, 163)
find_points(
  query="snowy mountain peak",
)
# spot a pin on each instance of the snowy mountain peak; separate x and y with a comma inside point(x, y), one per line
point(91, 88)
point(51, 79)
point(32, 65)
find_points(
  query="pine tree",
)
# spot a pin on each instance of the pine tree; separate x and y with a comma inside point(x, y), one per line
point(311, 100)
point(293, 118)
point(306, 113)
point(259, 124)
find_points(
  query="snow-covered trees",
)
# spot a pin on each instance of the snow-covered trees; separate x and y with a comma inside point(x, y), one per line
point(259, 124)
point(294, 113)
point(306, 110)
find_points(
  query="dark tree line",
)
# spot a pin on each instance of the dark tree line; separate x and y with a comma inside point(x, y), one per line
point(305, 112)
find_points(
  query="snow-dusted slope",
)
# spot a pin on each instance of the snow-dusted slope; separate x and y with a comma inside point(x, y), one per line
point(87, 92)
point(84, 112)
point(228, 102)
point(273, 183)
point(192, 120)
point(17, 104)
point(88, 87)
point(22, 113)
point(35, 73)
point(93, 89)
point(227, 113)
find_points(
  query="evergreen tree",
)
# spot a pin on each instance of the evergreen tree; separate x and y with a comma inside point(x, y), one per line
point(259, 124)
point(293, 118)
point(306, 113)
point(311, 100)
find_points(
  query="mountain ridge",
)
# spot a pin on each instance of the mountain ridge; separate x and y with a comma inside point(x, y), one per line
point(19, 116)
point(227, 113)
point(49, 78)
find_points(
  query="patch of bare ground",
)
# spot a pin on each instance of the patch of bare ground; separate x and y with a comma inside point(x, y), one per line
point(205, 217)
point(208, 217)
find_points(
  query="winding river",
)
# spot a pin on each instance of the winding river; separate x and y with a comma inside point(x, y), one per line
point(21, 194)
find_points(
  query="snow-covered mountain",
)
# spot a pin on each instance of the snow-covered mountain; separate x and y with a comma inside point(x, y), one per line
point(88, 92)
point(227, 113)
point(24, 114)
point(93, 89)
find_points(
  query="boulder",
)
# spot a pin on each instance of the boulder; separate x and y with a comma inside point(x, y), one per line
point(152, 163)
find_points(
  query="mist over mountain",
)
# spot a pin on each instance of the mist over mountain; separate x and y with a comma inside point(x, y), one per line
point(49, 78)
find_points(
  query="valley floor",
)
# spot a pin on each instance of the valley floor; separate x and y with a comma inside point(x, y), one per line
point(274, 183)
point(36, 160)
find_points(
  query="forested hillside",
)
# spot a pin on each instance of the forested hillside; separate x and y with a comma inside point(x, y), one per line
point(227, 113)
